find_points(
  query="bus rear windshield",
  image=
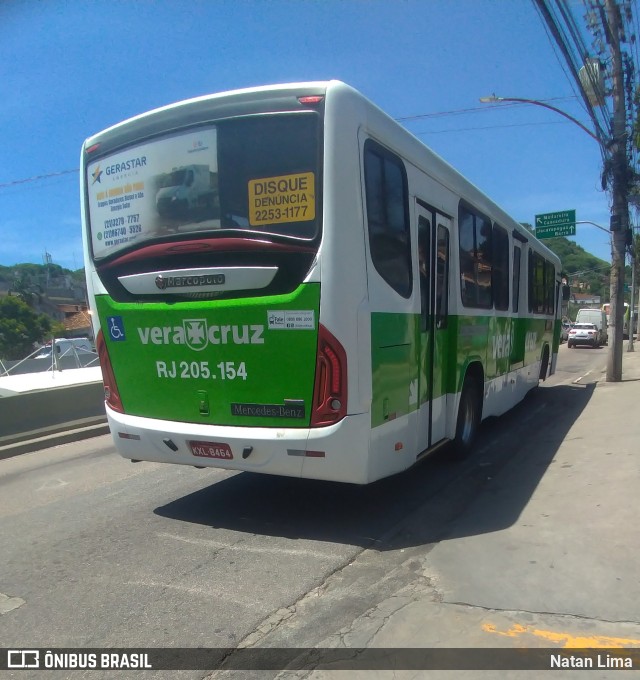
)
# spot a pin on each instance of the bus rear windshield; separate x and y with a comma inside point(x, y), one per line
point(258, 174)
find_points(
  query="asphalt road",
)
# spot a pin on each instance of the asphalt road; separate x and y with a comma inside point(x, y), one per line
point(100, 552)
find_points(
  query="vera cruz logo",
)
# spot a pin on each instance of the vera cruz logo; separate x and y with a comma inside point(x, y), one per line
point(196, 330)
point(197, 334)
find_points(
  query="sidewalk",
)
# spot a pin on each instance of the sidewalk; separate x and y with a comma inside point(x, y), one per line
point(564, 574)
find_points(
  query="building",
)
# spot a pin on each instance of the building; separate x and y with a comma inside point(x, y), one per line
point(586, 300)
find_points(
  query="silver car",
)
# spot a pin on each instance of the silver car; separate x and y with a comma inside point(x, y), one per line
point(583, 334)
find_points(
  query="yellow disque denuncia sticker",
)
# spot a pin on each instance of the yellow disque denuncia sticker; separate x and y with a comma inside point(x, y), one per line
point(288, 198)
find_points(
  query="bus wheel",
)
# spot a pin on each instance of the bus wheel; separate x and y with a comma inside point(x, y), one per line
point(544, 366)
point(468, 417)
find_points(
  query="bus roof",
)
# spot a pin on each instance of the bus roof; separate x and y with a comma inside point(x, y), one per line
point(281, 97)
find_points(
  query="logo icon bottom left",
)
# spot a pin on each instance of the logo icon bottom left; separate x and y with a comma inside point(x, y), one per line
point(23, 658)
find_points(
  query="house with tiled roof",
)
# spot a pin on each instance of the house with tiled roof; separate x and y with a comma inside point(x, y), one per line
point(78, 324)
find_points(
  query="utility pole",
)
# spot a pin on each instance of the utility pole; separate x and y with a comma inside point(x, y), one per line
point(619, 185)
point(632, 316)
point(613, 143)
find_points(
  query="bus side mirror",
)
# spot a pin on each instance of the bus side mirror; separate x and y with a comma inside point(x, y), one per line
point(566, 292)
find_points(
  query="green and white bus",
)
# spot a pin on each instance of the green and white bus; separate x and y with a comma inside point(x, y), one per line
point(285, 280)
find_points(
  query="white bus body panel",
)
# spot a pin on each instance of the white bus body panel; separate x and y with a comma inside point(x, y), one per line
point(275, 451)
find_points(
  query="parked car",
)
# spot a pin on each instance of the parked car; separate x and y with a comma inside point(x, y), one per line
point(599, 318)
point(564, 331)
point(66, 346)
point(584, 334)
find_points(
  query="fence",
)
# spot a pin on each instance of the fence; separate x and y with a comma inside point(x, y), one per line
point(71, 358)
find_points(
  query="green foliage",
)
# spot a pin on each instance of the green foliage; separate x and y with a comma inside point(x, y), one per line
point(20, 328)
point(57, 330)
point(574, 257)
point(78, 275)
point(582, 266)
point(35, 274)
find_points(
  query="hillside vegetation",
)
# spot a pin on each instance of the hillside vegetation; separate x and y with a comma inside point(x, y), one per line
point(35, 274)
point(582, 266)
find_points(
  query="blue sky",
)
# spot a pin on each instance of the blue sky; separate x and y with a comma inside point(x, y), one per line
point(69, 69)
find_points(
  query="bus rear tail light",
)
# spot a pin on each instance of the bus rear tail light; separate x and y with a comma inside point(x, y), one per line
point(311, 99)
point(330, 389)
point(111, 394)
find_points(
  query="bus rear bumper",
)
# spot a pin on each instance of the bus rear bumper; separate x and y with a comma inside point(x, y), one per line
point(335, 453)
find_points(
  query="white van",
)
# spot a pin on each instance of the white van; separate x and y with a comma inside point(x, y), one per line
point(66, 347)
point(597, 317)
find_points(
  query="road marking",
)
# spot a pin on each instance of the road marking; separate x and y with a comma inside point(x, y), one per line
point(218, 545)
point(570, 640)
point(218, 593)
point(52, 484)
point(8, 604)
point(577, 380)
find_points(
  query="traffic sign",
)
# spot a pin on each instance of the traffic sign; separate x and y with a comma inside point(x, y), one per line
point(550, 225)
point(552, 232)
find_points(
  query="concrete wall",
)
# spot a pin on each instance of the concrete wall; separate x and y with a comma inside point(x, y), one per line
point(50, 408)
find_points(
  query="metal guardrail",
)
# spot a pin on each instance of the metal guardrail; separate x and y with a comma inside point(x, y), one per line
point(68, 359)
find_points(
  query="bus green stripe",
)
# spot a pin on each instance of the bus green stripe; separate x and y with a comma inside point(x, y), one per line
point(399, 355)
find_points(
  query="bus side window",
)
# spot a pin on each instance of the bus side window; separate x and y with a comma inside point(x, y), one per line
point(442, 277)
point(388, 217)
point(541, 285)
point(475, 252)
point(515, 290)
point(424, 269)
point(500, 269)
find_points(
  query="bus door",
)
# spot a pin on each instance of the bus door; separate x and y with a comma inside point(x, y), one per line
point(433, 271)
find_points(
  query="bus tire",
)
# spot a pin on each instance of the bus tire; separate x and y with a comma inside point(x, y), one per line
point(544, 364)
point(468, 419)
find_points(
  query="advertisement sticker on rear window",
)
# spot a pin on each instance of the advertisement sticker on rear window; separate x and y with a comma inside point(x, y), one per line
point(153, 189)
point(287, 198)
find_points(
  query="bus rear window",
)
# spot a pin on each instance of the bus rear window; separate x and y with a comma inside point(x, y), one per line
point(257, 174)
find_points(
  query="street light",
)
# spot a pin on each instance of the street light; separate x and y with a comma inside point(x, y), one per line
point(496, 100)
point(614, 156)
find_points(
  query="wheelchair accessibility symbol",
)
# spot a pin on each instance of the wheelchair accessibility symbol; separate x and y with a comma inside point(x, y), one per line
point(116, 328)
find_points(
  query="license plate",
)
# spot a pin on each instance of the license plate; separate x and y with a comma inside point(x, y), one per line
point(211, 450)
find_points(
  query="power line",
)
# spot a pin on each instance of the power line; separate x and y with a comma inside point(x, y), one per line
point(475, 109)
point(420, 116)
point(487, 127)
point(37, 178)
point(574, 64)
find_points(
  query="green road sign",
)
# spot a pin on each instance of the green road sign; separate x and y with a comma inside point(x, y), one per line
point(550, 225)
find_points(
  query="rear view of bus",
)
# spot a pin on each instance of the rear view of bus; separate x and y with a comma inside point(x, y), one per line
point(202, 230)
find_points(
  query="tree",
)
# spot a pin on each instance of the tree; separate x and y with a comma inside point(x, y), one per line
point(20, 328)
point(23, 288)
